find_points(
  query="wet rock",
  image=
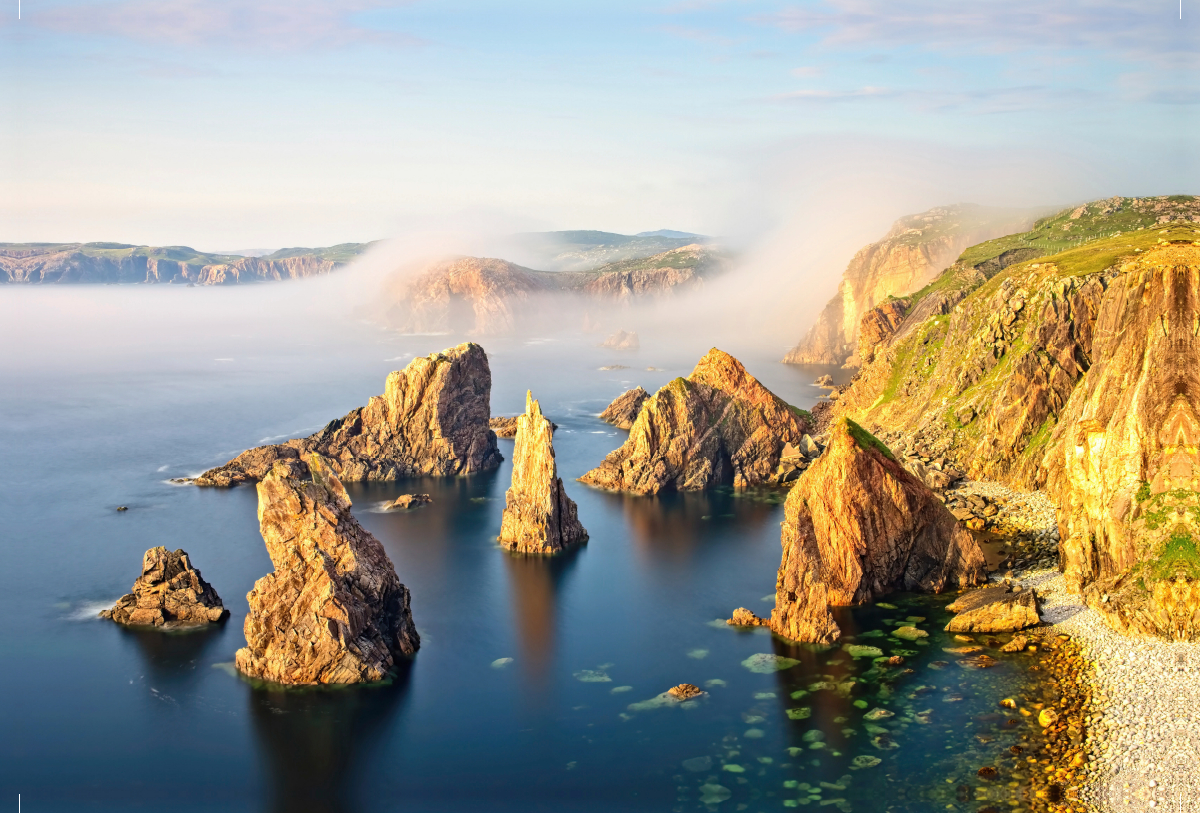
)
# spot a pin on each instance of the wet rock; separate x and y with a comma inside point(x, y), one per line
point(745, 618)
point(333, 611)
point(623, 411)
point(538, 516)
point(718, 425)
point(1017, 644)
point(993, 609)
point(169, 593)
point(406, 501)
point(431, 419)
point(857, 526)
point(685, 691)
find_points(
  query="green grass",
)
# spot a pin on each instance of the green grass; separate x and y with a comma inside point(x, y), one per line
point(866, 441)
point(1179, 557)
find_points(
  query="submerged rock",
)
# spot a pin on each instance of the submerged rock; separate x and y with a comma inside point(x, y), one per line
point(718, 425)
point(623, 411)
point(538, 516)
point(334, 610)
point(857, 526)
point(169, 593)
point(993, 609)
point(406, 501)
point(431, 419)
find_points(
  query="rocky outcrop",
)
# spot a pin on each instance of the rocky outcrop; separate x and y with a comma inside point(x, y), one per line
point(623, 411)
point(622, 340)
point(879, 325)
point(718, 425)
point(911, 254)
point(169, 593)
point(680, 269)
point(538, 515)
point(857, 526)
point(407, 501)
point(431, 419)
point(333, 611)
point(506, 427)
point(998, 608)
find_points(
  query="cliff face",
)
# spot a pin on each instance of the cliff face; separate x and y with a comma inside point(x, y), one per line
point(680, 269)
point(333, 611)
point(911, 254)
point(857, 526)
point(623, 411)
point(538, 516)
point(718, 425)
point(431, 419)
point(169, 593)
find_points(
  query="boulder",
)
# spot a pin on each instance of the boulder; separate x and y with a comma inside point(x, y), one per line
point(431, 419)
point(406, 501)
point(993, 609)
point(623, 411)
point(857, 526)
point(169, 593)
point(685, 691)
point(719, 425)
point(333, 611)
point(538, 516)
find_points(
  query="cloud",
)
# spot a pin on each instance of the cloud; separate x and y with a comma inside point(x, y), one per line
point(979, 101)
point(807, 72)
point(270, 25)
point(835, 95)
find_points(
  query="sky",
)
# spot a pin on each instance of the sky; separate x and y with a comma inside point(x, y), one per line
point(266, 123)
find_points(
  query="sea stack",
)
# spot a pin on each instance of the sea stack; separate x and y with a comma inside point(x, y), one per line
point(857, 525)
point(538, 517)
point(718, 425)
point(169, 593)
point(431, 419)
point(334, 610)
point(623, 411)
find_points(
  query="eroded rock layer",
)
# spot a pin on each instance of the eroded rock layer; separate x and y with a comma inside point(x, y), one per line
point(857, 526)
point(169, 593)
point(538, 516)
point(718, 425)
point(333, 611)
point(431, 419)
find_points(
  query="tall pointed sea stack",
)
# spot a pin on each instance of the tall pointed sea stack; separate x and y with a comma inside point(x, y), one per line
point(333, 611)
point(538, 517)
point(857, 525)
point(718, 425)
point(431, 419)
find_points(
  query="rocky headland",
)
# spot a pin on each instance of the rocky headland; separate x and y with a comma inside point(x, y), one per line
point(857, 526)
point(432, 418)
point(169, 593)
point(333, 611)
point(624, 409)
point(538, 515)
point(718, 425)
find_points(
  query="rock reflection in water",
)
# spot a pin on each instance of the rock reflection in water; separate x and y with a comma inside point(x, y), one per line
point(535, 584)
point(675, 526)
point(318, 742)
point(173, 658)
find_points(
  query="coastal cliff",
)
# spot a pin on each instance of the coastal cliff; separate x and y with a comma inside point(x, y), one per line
point(333, 611)
point(431, 419)
point(718, 425)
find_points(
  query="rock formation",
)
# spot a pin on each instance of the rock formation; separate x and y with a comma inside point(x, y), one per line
point(407, 501)
point(857, 526)
point(623, 411)
point(622, 340)
point(879, 325)
point(911, 254)
point(169, 593)
point(718, 425)
point(431, 419)
point(506, 427)
point(998, 608)
point(538, 516)
point(333, 611)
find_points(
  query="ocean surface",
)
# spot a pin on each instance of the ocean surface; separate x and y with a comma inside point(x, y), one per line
point(536, 683)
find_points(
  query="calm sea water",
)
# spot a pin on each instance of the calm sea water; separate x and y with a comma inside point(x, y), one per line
point(534, 687)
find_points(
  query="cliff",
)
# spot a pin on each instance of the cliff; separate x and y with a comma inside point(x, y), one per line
point(912, 253)
point(624, 409)
point(333, 611)
point(538, 515)
point(718, 425)
point(169, 593)
point(431, 419)
point(856, 526)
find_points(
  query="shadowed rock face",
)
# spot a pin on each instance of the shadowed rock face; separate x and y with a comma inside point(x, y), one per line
point(857, 526)
point(333, 611)
point(538, 516)
point(431, 419)
point(170, 592)
point(623, 411)
point(718, 425)
point(1123, 459)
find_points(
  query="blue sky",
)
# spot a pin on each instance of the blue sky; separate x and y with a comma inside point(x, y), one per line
point(259, 124)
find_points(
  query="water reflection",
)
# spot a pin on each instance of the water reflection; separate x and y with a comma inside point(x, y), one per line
point(536, 583)
point(319, 743)
point(173, 657)
point(673, 526)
